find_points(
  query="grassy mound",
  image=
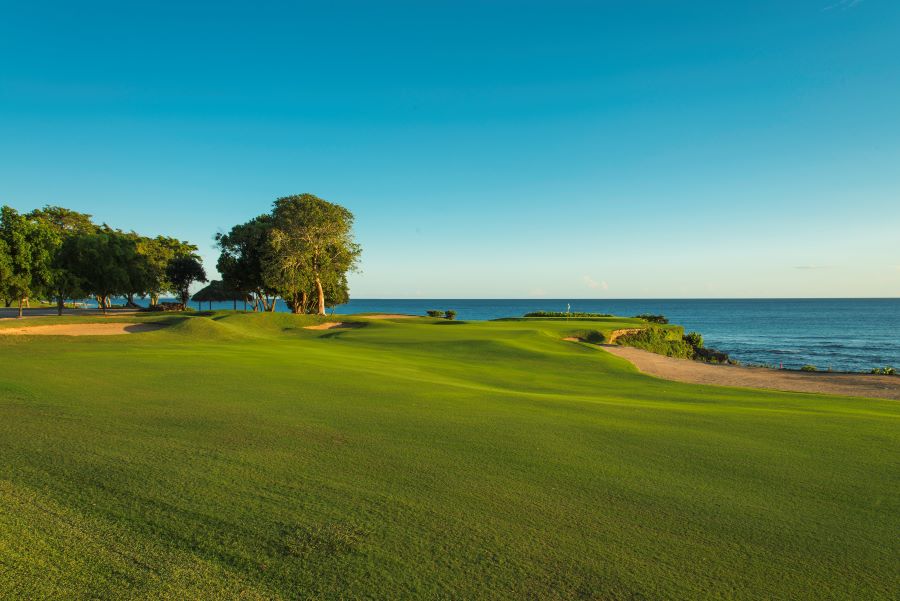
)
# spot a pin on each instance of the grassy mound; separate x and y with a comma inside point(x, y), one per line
point(241, 456)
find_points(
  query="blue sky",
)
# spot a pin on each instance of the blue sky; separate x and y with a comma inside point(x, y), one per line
point(490, 149)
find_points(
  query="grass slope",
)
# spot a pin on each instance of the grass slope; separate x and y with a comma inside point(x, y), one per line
point(241, 456)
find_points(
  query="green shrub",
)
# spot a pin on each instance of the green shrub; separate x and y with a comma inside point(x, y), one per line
point(450, 314)
point(885, 371)
point(593, 336)
point(808, 367)
point(434, 313)
point(695, 339)
point(658, 340)
point(652, 318)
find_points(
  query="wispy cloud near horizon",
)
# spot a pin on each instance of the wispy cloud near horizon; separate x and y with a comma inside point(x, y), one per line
point(594, 284)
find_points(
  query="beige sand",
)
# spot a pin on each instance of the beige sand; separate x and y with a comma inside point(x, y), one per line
point(82, 329)
point(685, 370)
point(332, 324)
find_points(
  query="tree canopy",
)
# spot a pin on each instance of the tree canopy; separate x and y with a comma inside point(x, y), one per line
point(182, 272)
point(311, 246)
point(55, 252)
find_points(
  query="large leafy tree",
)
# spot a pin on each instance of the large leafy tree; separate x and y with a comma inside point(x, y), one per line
point(157, 253)
point(101, 263)
point(64, 224)
point(311, 242)
point(242, 263)
point(182, 272)
point(29, 246)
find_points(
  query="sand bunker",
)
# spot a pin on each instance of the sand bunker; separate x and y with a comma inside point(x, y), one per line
point(83, 329)
point(694, 372)
point(328, 325)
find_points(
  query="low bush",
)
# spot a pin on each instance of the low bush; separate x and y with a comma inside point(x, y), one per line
point(808, 367)
point(592, 336)
point(652, 318)
point(434, 313)
point(660, 341)
point(885, 371)
point(450, 314)
point(695, 339)
point(165, 307)
point(709, 355)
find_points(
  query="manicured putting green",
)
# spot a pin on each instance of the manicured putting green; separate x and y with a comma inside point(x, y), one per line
point(244, 456)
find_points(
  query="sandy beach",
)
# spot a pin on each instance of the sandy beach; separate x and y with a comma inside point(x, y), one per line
point(695, 372)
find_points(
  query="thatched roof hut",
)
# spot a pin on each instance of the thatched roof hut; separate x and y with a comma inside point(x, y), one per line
point(218, 292)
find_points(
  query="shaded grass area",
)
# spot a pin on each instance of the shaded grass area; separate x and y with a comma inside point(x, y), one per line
point(239, 455)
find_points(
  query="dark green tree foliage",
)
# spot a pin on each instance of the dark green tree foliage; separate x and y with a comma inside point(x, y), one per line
point(311, 247)
point(64, 224)
point(6, 271)
point(101, 262)
point(182, 272)
point(156, 254)
point(245, 250)
point(29, 246)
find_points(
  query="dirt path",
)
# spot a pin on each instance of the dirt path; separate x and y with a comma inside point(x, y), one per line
point(82, 329)
point(694, 372)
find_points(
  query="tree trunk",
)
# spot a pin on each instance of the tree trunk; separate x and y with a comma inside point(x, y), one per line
point(20, 308)
point(60, 303)
point(154, 298)
point(321, 294)
point(305, 298)
point(103, 304)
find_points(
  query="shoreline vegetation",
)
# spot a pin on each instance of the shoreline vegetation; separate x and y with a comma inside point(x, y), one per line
point(301, 251)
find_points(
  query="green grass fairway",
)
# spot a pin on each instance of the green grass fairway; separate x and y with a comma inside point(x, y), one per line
point(241, 456)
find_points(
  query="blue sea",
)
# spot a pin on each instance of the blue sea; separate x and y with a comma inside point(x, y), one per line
point(841, 334)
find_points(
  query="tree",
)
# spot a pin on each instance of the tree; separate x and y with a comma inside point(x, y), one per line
point(182, 272)
point(6, 270)
point(100, 262)
point(311, 245)
point(29, 247)
point(156, 254)
point(244, 255)
point(64, 223)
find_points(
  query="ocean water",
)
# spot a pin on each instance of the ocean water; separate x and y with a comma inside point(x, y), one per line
point(841, 334)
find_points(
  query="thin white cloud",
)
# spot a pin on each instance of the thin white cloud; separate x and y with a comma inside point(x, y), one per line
point(594, 284)
point(843, 5)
